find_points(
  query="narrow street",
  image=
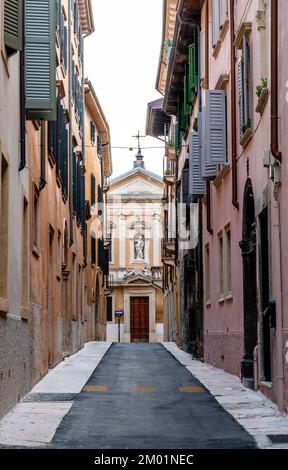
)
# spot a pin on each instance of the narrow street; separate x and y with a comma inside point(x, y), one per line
point(141, 397)
point(143, 299)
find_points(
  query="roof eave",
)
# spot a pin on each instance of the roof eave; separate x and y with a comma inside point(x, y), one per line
point(94, 106)
point(86, 17)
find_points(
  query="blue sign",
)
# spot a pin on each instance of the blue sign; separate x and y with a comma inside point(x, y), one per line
point(119, 313)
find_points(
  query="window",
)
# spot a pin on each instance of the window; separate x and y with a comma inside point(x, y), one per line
point(92, 132)
point(221, 267)
point(25, 257)
point(109, 309)
point(228, 261)
point(4, 188)
point(93, 190)
point(207, 273)
point(225, 291)
point(219, 14)
point(93, 249)
point(35, 221)
point(245, 87)
point(59, 264)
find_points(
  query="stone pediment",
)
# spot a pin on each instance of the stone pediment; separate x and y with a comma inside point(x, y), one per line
point(139, 187)
point(138, 279)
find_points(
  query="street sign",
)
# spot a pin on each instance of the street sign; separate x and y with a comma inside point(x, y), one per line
point(119, 313)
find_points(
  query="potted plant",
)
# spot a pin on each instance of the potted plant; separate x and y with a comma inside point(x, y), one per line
point(261, 86)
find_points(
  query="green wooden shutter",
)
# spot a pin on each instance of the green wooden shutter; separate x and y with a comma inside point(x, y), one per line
point(186, 97)
point(192, 67)
point(40, 59)
point(13, 25)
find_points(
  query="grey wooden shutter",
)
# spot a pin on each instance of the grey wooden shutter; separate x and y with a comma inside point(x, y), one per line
point(196, 182)
point(40, 59)
point(209, 171)
point(13, 11)
point(216, 127)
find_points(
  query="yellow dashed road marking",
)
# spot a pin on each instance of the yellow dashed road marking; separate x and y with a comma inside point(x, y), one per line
point(191, 389)
point(95, 388)
point(143, 389)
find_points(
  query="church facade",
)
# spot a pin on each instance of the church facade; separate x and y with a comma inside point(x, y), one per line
point(134, 221)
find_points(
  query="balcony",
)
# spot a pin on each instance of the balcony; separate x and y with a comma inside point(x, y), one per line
point(169, 252)
point(169, 172)
point(170, 245)
point(106, 184)
point(107, 240)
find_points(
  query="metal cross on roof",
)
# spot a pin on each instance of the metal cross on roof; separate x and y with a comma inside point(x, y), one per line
point(138, 137)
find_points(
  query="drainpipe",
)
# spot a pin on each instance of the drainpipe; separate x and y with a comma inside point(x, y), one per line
point(233, 109)
point(207, 45)
point(279, 310)
point(277, 154)
point(71, 235)
point(42, 182)
point(22, 99)
point(206, 87)
point(274, 82)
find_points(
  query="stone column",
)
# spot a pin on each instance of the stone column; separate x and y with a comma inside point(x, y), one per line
point(122, 241)
point(156, 240)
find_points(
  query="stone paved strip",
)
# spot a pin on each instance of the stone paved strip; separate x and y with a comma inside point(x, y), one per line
point(251, 409)
point(34, 421)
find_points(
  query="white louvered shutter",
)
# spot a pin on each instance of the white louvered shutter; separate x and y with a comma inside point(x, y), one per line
point(196, 182)
point(40, 59)
point(216, 127)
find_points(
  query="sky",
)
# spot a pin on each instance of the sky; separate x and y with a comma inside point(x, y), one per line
point(121, 60)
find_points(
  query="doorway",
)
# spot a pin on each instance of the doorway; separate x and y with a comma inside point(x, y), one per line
point(139, 319)
point(248, 248)
point(264, 279)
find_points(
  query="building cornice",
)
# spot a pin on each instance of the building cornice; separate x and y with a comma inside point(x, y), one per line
point(86, 17)
point(98, 116)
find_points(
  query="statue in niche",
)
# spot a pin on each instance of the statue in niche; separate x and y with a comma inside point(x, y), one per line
point(139, 247)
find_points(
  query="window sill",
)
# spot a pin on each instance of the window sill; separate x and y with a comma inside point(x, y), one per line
point(262, 101)
point(35, 251)
point(51, 160)
point(4, 306)
point(208, 304)
point(229, 297)
point(222, 34)
point(221, 300)
point(245, 29)
point(25, 313)
point(224, 29)
point(247, 136)
point(216, 48)
point(223, 172)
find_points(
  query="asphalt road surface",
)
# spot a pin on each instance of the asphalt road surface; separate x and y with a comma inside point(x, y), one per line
point(141, 397)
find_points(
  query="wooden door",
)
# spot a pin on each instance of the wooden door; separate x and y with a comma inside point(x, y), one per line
point(139, 319)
